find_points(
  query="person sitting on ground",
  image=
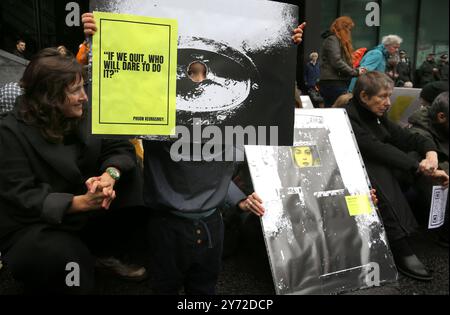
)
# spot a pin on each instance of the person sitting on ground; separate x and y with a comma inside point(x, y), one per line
point(384, 147)
point(57, 181)
point(431, 91)
point(432, 122)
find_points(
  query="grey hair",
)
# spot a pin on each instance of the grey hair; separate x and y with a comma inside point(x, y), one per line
point(313, 54)
point(391, 40)
point(440, 105)
point(372, 83)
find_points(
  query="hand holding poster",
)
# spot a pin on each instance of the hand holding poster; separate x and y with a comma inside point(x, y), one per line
point(134, 75)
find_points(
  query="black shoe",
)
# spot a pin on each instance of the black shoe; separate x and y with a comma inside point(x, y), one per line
point(411, 267)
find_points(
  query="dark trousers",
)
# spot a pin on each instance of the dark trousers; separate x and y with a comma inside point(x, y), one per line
point(397, 217)
point(39, 254)
point(330, 93)
point(185, 252)
point(40, 257)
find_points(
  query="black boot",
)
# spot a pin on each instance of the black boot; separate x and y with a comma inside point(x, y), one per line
point(407, 262)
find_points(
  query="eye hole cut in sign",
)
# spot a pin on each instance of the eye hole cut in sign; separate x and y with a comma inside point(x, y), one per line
point(134, 64)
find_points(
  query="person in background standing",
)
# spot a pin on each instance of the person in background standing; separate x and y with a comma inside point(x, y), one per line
point(21, 47)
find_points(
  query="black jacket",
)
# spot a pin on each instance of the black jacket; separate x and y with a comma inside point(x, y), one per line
point(421, 123)
point(382, 141)
point(384, 147)
point(333, 64)
point(38, 179)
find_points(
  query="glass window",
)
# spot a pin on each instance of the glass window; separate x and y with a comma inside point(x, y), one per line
point(41, 23)
point(392, 22)
point(362, 35)
point(329, 9)
point(433, 32)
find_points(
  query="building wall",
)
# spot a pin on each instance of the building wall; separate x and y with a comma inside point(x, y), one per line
point(422, 24)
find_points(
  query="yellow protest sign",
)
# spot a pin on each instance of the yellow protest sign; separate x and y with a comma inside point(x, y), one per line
point(134, 64)
point(358, 205)
point(398, 108)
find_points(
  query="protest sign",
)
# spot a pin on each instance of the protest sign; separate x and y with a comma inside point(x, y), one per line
point(321, 229)
point(134, 75)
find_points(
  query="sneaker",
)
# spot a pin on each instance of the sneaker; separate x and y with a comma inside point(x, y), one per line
point(122, 270)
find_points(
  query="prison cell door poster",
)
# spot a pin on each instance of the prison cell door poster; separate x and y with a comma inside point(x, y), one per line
point(321, 229)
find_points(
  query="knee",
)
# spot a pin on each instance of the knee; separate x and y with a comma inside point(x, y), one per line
point(52, 263)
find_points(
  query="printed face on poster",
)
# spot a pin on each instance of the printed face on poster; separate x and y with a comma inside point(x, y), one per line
point(321, 229)
point(235, 62)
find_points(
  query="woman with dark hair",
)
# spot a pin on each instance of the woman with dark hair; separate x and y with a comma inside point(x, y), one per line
point(336, 67)
point(55, 179)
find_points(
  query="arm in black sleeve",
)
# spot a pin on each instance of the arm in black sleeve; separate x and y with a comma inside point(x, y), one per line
point(20, 188)
point(117, 153)
point(407, 141)
point(374, 149)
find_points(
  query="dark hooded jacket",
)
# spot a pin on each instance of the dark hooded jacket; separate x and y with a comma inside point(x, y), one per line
point(421, 123)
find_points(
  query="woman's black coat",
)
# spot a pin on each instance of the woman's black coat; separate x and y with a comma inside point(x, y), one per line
point(384, 147)
point(38, 179)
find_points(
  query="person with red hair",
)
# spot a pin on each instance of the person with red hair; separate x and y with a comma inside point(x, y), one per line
point(336, 68)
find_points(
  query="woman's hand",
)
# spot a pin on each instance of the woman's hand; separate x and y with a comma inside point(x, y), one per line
point(440, 177)
point(89, 25)
point(105, 184)
point(253, 204)
point(430, 164)
point(298, 33)
point(87, 202)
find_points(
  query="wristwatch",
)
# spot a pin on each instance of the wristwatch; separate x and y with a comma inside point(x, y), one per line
point(113, 172)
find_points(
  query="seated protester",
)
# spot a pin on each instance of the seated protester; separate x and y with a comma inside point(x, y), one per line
point(50, 196)
point(186, 229)
point(384, 146)
point(431, 91)
point(432, 123)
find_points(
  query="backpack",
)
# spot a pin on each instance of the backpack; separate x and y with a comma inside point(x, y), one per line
point(358, 55)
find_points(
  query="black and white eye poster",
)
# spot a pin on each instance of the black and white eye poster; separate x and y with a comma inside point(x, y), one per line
point(322, 232)
point(236, 61)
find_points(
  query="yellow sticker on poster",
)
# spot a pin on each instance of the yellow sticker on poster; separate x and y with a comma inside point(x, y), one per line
point(358, 205)
point(134, 64)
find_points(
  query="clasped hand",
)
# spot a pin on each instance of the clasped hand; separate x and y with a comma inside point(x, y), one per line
point(102, 186)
